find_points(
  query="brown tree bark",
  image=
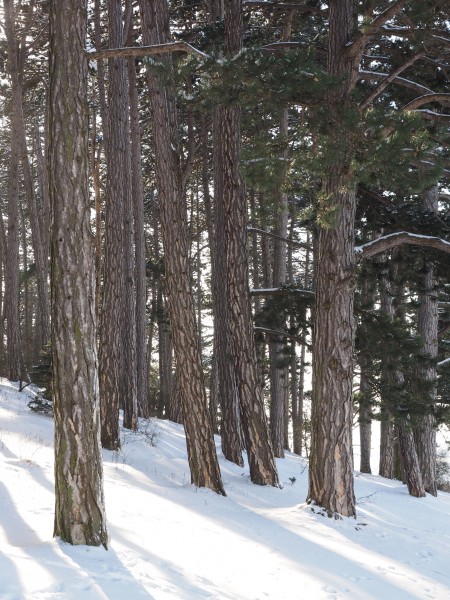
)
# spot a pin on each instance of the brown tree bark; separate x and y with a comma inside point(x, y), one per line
point(427, 327)
point(331, 460)
point(117, 361)
point(190, 382)
point(12, 302)
point(79, 510)
point(387, 467)
point(254, 422)
point(139, 239)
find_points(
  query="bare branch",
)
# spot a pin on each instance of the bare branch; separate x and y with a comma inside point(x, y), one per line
point(279, 237)
point(145, 51)
point(387, 242)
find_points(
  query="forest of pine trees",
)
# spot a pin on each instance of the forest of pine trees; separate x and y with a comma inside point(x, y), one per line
point(234, 214)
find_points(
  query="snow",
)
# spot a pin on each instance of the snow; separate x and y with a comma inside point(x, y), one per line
point(170, 540)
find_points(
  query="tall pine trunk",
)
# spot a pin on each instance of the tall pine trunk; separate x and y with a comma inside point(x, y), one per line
point(79, 511)
point(425, 431)
point(202, 456)
point(254, 422)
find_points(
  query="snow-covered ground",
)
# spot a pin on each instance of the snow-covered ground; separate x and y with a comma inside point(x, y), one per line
point(172, 541)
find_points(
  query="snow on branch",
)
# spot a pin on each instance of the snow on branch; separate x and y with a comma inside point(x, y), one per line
point(145, 51)
point(408, 83)
point(444, 363)
point(387, 242)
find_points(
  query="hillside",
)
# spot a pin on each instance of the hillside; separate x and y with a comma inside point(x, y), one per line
point(172, 541)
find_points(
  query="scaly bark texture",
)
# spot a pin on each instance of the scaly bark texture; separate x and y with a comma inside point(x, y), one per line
point(425, 431)
point(79, 510)
point(12, 302)
point(254, 422)
point(202, 455)
point(139, 240)
point(387, 467)
point(331, 460)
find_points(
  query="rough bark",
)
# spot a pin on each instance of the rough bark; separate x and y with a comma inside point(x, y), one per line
point(365, 418)
point(365, 391)
point(190, 382)
point(12, 303)
point(428, 320)
point(409, 460)
point(331, 460)
point(120, 161)
point(259, 449)
point(165, 353)
point(387, 466)
point(279, 373)
point(79, 510)
point(112, 352)
point(139, 240)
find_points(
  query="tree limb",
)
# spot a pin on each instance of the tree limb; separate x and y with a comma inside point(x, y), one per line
point(145, 51)
point(387, 242)
point(425, 99)
point(356, 46)
point(379, 89)
point(412, 85)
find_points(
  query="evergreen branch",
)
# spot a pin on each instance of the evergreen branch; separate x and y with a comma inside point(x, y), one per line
point(425, 99)
point(387, 242)
point(355, 47)
point(379, 89)
point(145, 51)
point(279, 237)
point(307, 294)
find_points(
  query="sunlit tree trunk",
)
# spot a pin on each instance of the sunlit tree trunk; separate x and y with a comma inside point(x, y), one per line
point(259, 449)
point(331, 459)
point(190, 380)
point(79, 511)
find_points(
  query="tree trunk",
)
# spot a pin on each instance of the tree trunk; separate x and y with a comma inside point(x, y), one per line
point(425, 430)
point(409, 460)
point(79, 513)
point(365, 391)
point(259, 449)
point(165, 360)
point(387, 466)
point(112, 352)
point(139, 240)
point(190, 382)
point(12, 302)
point(331, 460)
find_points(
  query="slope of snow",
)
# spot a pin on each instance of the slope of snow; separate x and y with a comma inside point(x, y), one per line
point(172, 541)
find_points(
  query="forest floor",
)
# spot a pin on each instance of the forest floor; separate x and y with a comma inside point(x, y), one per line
point(170, 540)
